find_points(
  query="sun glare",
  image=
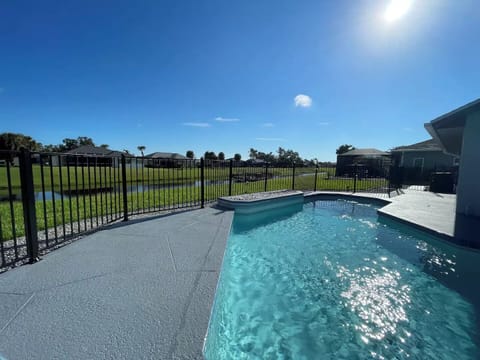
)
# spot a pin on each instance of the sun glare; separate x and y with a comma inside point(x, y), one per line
point(396, 9)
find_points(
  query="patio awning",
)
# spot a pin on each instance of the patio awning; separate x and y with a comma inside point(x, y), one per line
point(447, 129)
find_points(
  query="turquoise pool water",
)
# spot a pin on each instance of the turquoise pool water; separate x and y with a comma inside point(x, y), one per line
point(330, 280)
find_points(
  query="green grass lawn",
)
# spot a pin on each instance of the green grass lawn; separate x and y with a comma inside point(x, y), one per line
point(86, 208)
point(334, 184)
point(63, 177)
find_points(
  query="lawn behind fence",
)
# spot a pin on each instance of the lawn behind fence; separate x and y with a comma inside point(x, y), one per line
point(89, 208)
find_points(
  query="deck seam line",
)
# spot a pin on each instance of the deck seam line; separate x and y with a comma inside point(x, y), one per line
point(186, 307)
point(17, 313)
point(171, 253)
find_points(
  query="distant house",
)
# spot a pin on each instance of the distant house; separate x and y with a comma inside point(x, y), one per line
point(366, 162)
point(255, 162)
point(93, 156)
point(166, 159)
point(426, 156)
point(90, 150)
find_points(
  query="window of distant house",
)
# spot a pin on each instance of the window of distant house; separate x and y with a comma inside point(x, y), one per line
point(418, 163)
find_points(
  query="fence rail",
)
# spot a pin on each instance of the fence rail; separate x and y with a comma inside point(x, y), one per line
point(47, 199)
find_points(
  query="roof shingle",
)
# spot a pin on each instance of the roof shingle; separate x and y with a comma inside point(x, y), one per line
point(427, 145)
point(364, 152)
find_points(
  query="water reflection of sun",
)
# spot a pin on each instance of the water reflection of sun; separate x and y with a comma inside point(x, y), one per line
point(378, 299)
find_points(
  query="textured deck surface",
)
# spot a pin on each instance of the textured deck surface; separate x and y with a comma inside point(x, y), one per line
point(427, 210)
point(139, 291)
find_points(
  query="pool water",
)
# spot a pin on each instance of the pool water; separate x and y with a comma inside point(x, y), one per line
point(330, 280)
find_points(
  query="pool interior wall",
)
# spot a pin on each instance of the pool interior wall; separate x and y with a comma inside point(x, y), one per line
point(332, 278)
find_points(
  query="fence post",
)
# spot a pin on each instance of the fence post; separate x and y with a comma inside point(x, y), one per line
point(202, 182)
point(293, 176)
point(230, 177)
point(355, 179)
point(316, 174)
point(28, 201)
point(389, 180)
point(266, 177)
point(124, 188)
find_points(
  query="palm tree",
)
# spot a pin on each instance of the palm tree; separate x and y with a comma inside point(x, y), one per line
point(141, 148)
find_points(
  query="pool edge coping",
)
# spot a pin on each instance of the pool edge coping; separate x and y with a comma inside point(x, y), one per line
point(216, 205)
point(440, 235)
point(363, 196)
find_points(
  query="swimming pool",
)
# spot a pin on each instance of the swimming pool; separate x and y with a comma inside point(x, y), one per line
point(329, 279)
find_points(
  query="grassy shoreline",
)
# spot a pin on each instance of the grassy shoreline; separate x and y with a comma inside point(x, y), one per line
point(59, 177)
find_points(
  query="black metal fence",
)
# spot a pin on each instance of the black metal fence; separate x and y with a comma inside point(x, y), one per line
point(47, 199)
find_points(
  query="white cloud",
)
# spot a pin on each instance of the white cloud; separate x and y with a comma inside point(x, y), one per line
point(303, 100)
point(197, 124)
point(269, 139)
point(267, 125)
point(222, 119)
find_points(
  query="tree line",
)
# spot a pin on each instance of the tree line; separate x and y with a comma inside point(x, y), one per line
point(14, 142)
point(282, 156)
point(210, 155)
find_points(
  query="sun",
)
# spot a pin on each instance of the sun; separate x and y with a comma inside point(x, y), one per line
point(396, 9)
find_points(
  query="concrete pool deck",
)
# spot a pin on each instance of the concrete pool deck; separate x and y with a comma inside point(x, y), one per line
point(138, 291)
point(431, 212)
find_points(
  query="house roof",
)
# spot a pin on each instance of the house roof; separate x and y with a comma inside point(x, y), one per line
point(166, 155)
point(448, 128)
point(94, 151)
point(427, 145)
point(365, 152)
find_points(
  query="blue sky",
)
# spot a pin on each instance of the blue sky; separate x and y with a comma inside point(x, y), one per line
point(223, 75)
